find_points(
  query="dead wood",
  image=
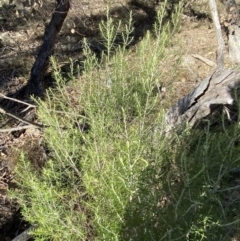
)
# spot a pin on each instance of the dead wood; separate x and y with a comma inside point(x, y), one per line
point(218, 31)
point(35, 85)
point(215, 91)
point(233, 25)
point(24, 236)
point(204, 60)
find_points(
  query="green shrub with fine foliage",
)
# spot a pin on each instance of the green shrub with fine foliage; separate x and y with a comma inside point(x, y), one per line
point(111, 174)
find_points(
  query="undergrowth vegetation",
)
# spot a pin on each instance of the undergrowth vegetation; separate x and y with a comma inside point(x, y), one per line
point(111, 173)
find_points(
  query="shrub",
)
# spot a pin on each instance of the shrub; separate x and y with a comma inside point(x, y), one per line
point(111, 175)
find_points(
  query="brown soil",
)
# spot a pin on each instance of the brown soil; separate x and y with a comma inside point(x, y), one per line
point(21, 33)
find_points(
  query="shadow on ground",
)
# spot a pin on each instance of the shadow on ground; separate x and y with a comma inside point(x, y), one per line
point(21, 36)
point(189, 196)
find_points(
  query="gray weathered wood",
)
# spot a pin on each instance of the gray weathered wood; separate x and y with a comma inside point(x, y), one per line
point(221, 44)
point(233, 25)
point(24, 236)
point(218, 89)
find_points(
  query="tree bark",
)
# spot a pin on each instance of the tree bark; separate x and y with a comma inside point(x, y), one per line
point(233, 25)
point(35, 85)
point(220, 41)
point(217, 90)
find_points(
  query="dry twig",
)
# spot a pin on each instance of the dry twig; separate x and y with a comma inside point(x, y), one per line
point(205, 60)
point(18, 101)
point(20, 118)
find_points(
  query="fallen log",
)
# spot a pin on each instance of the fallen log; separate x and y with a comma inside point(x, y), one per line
point(217, 90)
